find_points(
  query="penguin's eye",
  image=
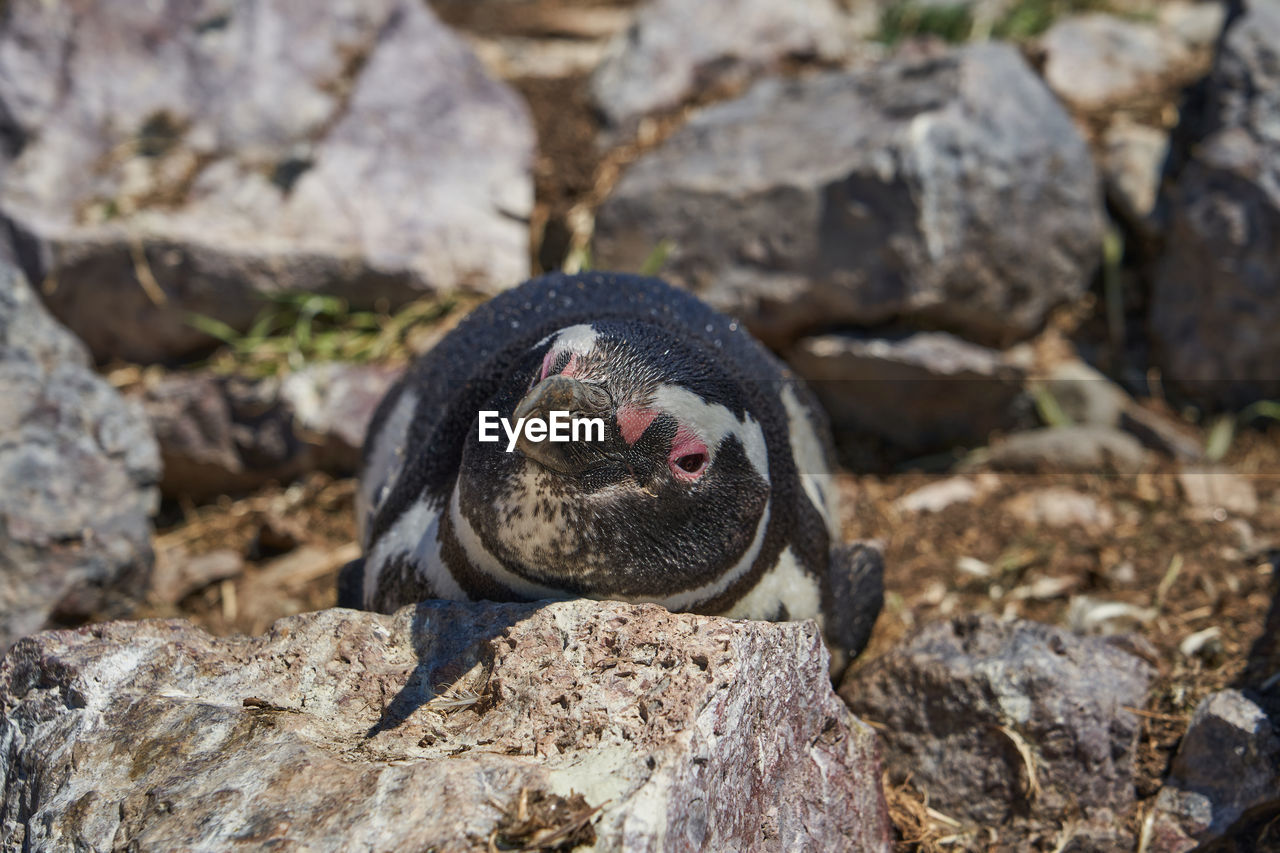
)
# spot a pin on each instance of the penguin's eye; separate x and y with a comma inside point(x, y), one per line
point(688, 458)
point(692, 463)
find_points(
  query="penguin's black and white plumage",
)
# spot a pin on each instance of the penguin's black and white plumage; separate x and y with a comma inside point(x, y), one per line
point(709, 491)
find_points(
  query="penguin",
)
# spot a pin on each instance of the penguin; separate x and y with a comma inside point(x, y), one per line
point(701, 479)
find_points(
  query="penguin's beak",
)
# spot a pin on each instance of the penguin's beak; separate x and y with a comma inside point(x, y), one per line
point(580, 400)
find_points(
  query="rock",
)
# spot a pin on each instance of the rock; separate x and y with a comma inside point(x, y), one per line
point(936, 497)
point(1060, 507)
point(164, 158)
point(1085, 395)
point(1082, 449)
point(919, 392)
point(1093, 616)
point(1227, 765)
point(917, 191)
point(1097, 62)
point(332, 404)
point(178, 573)
point(1215, 297)
point(1133, 160)
point(995, 719)
point(1162, 433)
point(27, 332)
point(1213, 489)
point(228, 434)
point(78, 466)
point(674, 51)
point(429, 728)
point(1197, 25)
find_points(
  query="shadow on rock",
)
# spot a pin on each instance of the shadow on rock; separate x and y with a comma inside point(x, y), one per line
point(454, 661)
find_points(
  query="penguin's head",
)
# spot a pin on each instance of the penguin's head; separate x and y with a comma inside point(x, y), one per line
point(663, 487)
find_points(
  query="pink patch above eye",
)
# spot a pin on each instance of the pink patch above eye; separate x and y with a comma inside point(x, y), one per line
point(550, 359)
point(632, 422)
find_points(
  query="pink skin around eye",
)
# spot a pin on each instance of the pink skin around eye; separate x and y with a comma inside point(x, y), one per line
point(687, 444)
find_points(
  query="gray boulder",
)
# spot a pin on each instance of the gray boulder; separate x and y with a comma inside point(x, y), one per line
point(78, 467)
point(1215, 297)
point(1004, 721)
point(919, 393)
point(1227, 766)
point(229, 434)
point(949, 190)
point(166, 158)
point(674, 51)
point(445, 725)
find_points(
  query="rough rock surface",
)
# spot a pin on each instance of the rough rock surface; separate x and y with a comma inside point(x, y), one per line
point(171, 157)
point(950, 190)
point(1215, 299)
point(27, 332)
point(221, 434)
point(1002, 719)
point(1099, 61)
point(77, 471)
point(1227, 765)
point(674, 50)
point(343, 729)
point(919, 392)
point(1083, 449)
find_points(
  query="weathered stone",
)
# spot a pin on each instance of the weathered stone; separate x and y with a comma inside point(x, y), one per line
point(997, 719)
point(1162, 433)
point(936, 497)
point(674, 51)
point(178, 573)
point(920, 392)
point(946, 190)
point(1083, 449)
point(1218, 489)
point(1098, 61)
point(332, 404)
point(1215, 298)
point(166, 158)
point(1133, 160)
point(1060, 507)
point(221, 434)
point(1086, 396)
point(1227, 765)
point(78, 467)
point(428, 728)
point(27, 332)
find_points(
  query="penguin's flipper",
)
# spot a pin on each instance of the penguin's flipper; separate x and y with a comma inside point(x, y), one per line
point(856, 580)
point(351, 584)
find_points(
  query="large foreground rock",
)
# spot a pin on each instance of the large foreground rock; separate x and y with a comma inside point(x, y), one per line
point(1226, 769)
point(78, 466)
point(430, 727)
point(1010, 721)
point(951, 191)
point(1215, 300)
point(171, 157)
